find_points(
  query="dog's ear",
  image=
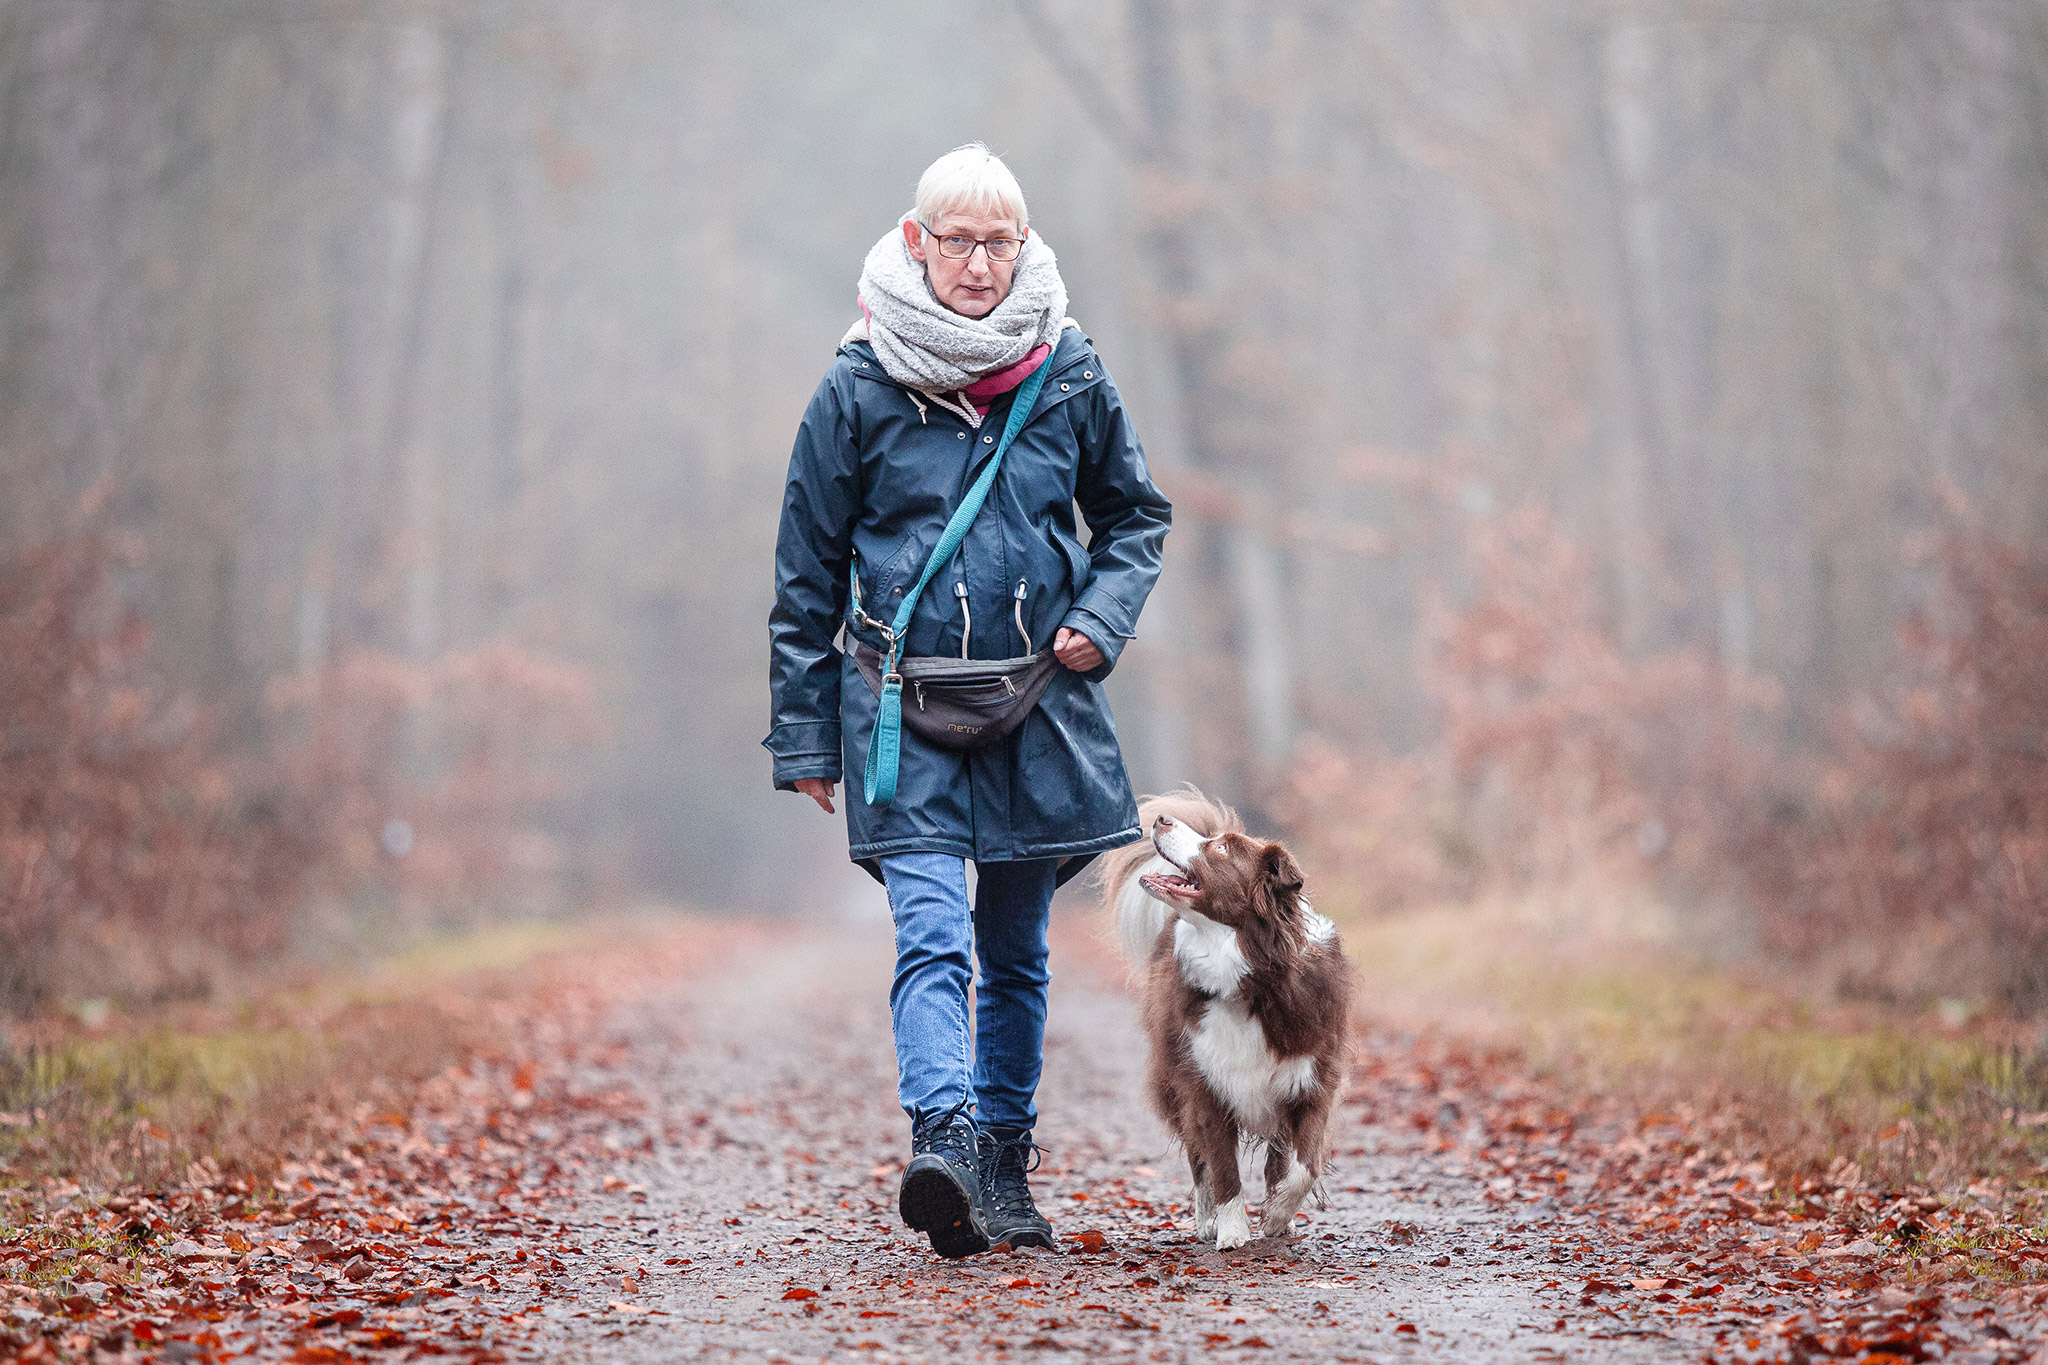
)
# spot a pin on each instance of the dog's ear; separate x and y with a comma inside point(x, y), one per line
point(1280, 871)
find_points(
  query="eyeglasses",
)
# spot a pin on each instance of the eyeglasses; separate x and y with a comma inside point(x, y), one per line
point(959, 248)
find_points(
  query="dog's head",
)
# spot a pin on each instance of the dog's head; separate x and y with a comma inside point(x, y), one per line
point(1233, 879)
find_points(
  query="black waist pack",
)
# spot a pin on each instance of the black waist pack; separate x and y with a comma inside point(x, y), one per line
point(963, 703)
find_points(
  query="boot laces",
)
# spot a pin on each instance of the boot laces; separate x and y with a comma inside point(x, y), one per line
point(946, 1132)
point(1014, 1158)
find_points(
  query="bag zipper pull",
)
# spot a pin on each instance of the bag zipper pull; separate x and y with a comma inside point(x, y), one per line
point(920, 694)
point(966, 617)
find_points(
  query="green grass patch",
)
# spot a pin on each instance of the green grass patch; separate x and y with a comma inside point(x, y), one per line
point(1640, 1008)
point(503, 948)
point(113, 1100)
point(53, 1253)
point(121, 1077)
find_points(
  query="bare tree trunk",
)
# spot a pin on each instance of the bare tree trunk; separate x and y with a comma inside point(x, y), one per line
point(1629, 430)
point(386, 509)
point(26, 454)
point(419, 146)
point(71, 122)
point(1237, 611)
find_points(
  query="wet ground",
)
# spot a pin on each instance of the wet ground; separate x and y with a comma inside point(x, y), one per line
point(763, 1225)
point(688, 1148)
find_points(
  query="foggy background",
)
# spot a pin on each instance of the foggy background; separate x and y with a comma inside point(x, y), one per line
point(434, 367)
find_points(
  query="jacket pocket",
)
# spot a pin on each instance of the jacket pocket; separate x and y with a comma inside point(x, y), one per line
point(1078, 565)
point(893, 579)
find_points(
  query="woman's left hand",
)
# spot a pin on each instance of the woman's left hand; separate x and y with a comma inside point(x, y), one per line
point(1076, 650)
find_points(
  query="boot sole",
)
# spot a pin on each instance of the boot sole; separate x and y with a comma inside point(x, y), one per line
point(1027, 1235)
point(934, 1202)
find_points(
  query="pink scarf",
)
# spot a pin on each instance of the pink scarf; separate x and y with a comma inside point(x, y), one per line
point(984, 391)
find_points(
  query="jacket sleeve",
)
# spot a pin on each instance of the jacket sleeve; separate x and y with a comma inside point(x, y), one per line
point(1127, 518)
point(813, 553)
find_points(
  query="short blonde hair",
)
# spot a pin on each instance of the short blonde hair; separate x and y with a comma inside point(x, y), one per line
point(972, 179)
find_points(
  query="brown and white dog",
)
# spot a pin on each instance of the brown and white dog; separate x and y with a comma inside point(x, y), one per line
point(1246, 1003)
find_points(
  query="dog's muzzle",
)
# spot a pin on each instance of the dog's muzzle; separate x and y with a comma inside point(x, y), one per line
point(1182, 847)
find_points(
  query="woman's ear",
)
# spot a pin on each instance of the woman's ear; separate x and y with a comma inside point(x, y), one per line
point(1280, 870)
point(913, 237)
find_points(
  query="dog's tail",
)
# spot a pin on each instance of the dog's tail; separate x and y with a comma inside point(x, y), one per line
point(1137, 913)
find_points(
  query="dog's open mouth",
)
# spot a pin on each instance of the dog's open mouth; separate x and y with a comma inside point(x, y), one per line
point(1171, 886)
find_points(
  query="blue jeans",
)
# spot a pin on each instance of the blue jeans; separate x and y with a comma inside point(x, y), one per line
point(938, 1065)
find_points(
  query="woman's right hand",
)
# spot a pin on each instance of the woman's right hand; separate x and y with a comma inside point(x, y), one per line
point(819, 789)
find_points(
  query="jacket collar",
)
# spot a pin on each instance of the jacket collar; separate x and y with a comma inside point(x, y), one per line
point(1069, 349)
point(1075, 369)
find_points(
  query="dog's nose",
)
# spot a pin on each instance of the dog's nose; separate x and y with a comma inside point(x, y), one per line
point(1163, 822)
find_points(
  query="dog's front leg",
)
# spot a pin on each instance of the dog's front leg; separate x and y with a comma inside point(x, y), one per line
point(1287, 1185)
point(1293, 1165)
point(1233, 1223)
point(1205, 1201)
point(1216, 1139)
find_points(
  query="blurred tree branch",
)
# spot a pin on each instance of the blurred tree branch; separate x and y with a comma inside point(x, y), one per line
point(1133, 142)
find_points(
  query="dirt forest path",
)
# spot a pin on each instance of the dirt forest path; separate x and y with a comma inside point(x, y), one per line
point(684, 1144)
point(777, 1073)
point(763, 1225)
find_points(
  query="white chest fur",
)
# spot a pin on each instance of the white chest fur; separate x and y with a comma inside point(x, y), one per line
point(1229, 1049)
point(1209, 954)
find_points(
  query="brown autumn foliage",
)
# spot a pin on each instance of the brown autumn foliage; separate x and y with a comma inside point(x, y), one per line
point(1558, 755)
point(140, 854)
point(505, 1206)
point(1912, 848)
point(1925, 829)
point(127, 855)
point(339, 1206)
point(465, 748)
point(1570, 754)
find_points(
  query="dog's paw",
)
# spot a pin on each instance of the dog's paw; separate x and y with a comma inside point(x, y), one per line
point(1276, 1224)
point(1233, 1225)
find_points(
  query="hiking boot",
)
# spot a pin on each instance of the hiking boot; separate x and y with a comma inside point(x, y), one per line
point(1007, 1156)
point(941, 1192)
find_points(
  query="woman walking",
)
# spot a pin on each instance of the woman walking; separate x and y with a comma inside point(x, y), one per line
point(930, 513)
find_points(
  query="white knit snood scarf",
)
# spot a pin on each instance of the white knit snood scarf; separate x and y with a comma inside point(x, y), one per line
point(925, 345)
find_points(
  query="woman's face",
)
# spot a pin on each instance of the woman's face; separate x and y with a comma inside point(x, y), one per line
point(973, 285)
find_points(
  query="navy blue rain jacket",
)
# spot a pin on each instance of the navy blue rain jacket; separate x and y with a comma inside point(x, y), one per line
point(874, 477)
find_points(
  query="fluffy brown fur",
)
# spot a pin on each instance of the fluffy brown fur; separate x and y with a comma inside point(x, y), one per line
point(1246, 1005)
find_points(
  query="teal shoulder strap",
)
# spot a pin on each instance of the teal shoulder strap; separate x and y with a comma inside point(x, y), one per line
point(885, 745)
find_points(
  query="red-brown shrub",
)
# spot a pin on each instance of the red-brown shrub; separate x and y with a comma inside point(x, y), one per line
point(1569, 753)
point(1928, 822)
point(138, 854)
point(1374, 830)
point(1558, 754)
point(1911, 851)
point(122, 831)
point(467, 748)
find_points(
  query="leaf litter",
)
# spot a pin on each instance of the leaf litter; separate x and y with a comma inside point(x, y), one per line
point(450, 1227)
point(507, 1209)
